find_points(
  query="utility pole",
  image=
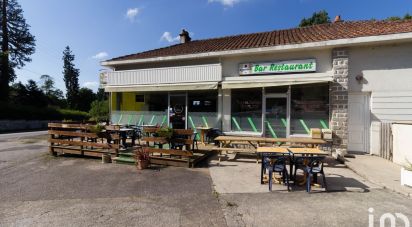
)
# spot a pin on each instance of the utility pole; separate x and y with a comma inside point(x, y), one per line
point(5, 73)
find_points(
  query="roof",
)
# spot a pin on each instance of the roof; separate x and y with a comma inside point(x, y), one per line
point(315, 33)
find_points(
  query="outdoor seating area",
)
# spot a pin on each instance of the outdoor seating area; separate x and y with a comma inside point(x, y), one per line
point(282, 160)
point(174, 147)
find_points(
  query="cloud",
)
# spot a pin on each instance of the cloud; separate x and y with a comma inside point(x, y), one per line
point(167, 36)
point(132, 13)
point(100, 55)
point(226, 3)
point(91, 84)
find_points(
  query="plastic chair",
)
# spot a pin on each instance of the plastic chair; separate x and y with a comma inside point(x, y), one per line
point(298, 163)
point(194, 138)
point(315, 167)
point(278, 166)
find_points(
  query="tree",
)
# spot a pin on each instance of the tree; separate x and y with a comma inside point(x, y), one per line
point(47, 84)
point(17, 44)
point(99, 110)
point(35, 95)
point(88, 96)
point(54, 95)
point(71, 78)
point(28, 95)
point(394, 18)
point(101, 94)
point(320, 17)
point(397, 18)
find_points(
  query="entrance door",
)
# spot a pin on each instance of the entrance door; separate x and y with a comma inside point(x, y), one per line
point(358, 122)
point(276, 116)
point(177, 111)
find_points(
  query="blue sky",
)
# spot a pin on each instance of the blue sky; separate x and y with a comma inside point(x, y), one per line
point(102, 29)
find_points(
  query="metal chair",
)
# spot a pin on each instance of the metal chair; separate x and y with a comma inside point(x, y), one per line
point(315, 167)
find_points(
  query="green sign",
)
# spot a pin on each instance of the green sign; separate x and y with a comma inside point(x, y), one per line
point(308, 65)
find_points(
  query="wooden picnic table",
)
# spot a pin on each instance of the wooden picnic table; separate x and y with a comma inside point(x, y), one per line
point(270, 152)
point(307, 151)
point(203, 131)
point(256, 141)
point(266, 152)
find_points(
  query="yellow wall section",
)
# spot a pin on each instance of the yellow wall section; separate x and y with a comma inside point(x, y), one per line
point(128, 101)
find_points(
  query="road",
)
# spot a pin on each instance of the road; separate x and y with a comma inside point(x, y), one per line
point(37, 189)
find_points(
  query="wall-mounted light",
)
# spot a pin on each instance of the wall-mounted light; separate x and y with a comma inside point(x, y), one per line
point(359, 77)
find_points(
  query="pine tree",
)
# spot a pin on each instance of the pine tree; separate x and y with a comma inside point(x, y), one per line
point(71, 78)
point(17, 44)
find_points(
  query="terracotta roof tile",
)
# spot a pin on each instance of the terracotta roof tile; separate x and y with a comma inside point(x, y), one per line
point(316, 33)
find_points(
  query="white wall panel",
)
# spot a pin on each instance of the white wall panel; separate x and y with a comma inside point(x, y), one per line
point(168, 75)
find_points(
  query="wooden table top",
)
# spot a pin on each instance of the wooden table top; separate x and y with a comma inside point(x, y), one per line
point(271, 140)
point(309, 151)
point(203, 128)
point(240, 138)
point(282, 150)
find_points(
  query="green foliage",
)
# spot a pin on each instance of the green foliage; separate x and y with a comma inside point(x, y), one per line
point(17, 44)
point(397, 18)
point(101, 95)
point(75, 115)
point(87, 97)
point(98, 128)
point(320, 17)
point(394, 18)
point(165, 132)
point(25, 112)
point(99, 111)
point(29, 94)
point(71, 78)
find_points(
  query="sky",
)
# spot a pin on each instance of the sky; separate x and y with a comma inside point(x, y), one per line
point(97, 30)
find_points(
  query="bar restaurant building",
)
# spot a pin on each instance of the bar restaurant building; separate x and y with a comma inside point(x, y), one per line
point(345, 76)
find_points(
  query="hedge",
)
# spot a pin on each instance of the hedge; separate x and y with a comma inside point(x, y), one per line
point(19, 112)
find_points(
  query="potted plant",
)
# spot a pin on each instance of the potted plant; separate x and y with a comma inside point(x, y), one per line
point(98, 129)
point(142, 158)
point(165, 132)
point(406, 174)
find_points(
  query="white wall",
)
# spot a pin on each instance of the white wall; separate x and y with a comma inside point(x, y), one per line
point(231, 64)
point(387, 73)
point(402, 143)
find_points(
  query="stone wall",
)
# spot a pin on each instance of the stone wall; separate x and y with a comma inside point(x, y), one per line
point(339, 102)
point(21, 125)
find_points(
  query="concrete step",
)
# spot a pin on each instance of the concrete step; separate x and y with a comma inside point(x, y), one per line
point(124, 160)
point(126, 154)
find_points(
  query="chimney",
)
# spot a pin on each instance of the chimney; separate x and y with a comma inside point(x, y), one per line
point(337, 19)
point(184, 36)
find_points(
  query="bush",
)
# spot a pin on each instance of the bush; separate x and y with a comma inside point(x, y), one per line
point(24, 112)
point(99, 111)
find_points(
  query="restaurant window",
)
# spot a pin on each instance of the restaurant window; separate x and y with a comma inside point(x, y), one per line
point(247, 110)
point(139, 98)
point(149, 109)
point(202, 109)
point(309, 108)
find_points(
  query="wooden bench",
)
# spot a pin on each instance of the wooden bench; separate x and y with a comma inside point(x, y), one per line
point(234, 150)
point(176, 157)
point(77, 139)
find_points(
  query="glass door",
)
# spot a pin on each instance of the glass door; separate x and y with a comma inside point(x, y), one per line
point(177, 111)
point(276, 116)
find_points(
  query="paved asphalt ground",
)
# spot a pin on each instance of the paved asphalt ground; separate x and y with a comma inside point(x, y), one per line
point(39, 190)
